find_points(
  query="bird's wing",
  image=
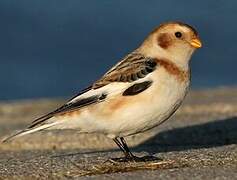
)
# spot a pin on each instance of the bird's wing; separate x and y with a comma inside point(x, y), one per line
point(133, 67)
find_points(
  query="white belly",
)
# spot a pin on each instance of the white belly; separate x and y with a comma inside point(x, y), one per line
point(152, 107)
point(127, 115)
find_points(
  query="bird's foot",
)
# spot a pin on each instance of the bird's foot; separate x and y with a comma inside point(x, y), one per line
point(149, 158)
point(132, 158)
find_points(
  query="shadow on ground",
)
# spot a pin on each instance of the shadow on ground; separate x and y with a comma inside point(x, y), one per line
point(207, 135)
point(211, 134)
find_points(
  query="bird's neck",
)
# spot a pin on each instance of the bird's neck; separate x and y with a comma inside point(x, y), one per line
point(179, 58)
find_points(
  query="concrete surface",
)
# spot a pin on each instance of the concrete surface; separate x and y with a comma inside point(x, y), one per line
point(198, 142)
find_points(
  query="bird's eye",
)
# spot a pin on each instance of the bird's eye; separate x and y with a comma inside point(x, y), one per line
point(178, 34)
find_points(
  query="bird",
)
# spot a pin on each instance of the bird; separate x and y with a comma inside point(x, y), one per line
point(138, 93)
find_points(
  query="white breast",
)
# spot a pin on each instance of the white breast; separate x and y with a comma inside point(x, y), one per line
point(154, 105)
point(126, 115)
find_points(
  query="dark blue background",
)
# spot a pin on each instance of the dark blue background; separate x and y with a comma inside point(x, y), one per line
point(51, 48)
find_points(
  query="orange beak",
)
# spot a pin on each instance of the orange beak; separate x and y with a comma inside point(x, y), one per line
point(196, 42)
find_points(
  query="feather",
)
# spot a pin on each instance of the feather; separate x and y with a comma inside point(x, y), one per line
point(29, 131)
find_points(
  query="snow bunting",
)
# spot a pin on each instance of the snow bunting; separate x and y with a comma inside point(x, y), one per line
point(140, 92)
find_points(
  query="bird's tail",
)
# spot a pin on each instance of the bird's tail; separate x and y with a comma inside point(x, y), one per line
point(29, 131)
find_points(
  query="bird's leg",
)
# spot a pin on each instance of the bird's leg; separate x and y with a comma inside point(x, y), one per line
point(130, 157)
point(120, 145)
point(124, 148)
point(128, 154)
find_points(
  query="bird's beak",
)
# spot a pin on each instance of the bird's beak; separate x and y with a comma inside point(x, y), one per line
point(196, 42)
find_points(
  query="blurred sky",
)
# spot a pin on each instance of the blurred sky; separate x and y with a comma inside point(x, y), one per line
point(52, 48)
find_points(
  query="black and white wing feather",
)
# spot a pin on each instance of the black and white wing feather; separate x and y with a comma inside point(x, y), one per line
point(133, 67)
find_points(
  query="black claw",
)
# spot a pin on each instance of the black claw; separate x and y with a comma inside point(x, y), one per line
point(135, 159)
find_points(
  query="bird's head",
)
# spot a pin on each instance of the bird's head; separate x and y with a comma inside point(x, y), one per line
point(174, 41)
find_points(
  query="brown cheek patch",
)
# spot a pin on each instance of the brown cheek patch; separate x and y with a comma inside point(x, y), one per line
point(164, 40)
point(172, 69)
